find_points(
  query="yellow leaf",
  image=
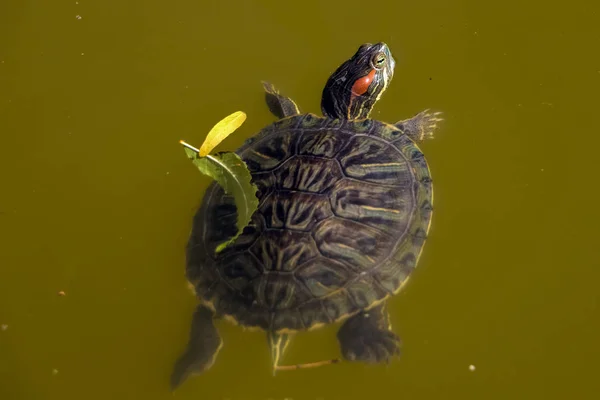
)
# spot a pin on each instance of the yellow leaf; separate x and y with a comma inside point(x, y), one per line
point(220, 131)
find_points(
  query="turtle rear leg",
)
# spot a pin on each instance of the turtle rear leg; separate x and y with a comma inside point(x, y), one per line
point(202, 349)
point(281, 106)
point(421, 126)
point(368, 337)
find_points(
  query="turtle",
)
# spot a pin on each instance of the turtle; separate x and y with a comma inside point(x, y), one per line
point(345, 205)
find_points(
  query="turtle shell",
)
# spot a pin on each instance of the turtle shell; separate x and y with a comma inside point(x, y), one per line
point(345, 207)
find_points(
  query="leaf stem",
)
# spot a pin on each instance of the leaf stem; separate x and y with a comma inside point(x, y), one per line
point(189, 146)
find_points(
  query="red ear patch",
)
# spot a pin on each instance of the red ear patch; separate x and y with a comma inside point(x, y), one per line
point(361, 85)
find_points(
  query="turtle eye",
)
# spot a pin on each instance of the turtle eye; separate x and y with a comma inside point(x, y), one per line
point(378, 60)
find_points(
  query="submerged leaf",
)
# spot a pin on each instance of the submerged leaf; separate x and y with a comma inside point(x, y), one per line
point(232, 174)
point(220, 131)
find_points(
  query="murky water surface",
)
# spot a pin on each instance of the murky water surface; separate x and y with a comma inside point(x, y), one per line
point(97, 195)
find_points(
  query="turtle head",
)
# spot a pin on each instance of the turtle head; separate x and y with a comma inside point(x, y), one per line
point(353, 89)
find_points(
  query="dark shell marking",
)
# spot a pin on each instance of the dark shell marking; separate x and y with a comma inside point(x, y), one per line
point(344, 212)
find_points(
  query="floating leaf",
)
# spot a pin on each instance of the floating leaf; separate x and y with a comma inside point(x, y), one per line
point(232, 174)
point(220, 131)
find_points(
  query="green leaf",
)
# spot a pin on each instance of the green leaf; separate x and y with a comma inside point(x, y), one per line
point(232, 174)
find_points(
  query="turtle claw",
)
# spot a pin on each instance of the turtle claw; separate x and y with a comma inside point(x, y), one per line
point(378, 346)
point(421, 126)
point(281, 106)
point(366, 337)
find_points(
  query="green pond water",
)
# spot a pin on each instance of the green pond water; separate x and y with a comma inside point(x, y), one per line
point(97, 196)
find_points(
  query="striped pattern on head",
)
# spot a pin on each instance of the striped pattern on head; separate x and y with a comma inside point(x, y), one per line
point(354, 88)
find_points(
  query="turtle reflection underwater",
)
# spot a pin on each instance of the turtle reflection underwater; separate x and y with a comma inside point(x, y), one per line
point(345, 207)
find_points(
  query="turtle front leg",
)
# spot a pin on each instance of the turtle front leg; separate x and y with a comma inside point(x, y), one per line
point(368, 337)
point(421, 126)
point(281, 106)
point(202, 349)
